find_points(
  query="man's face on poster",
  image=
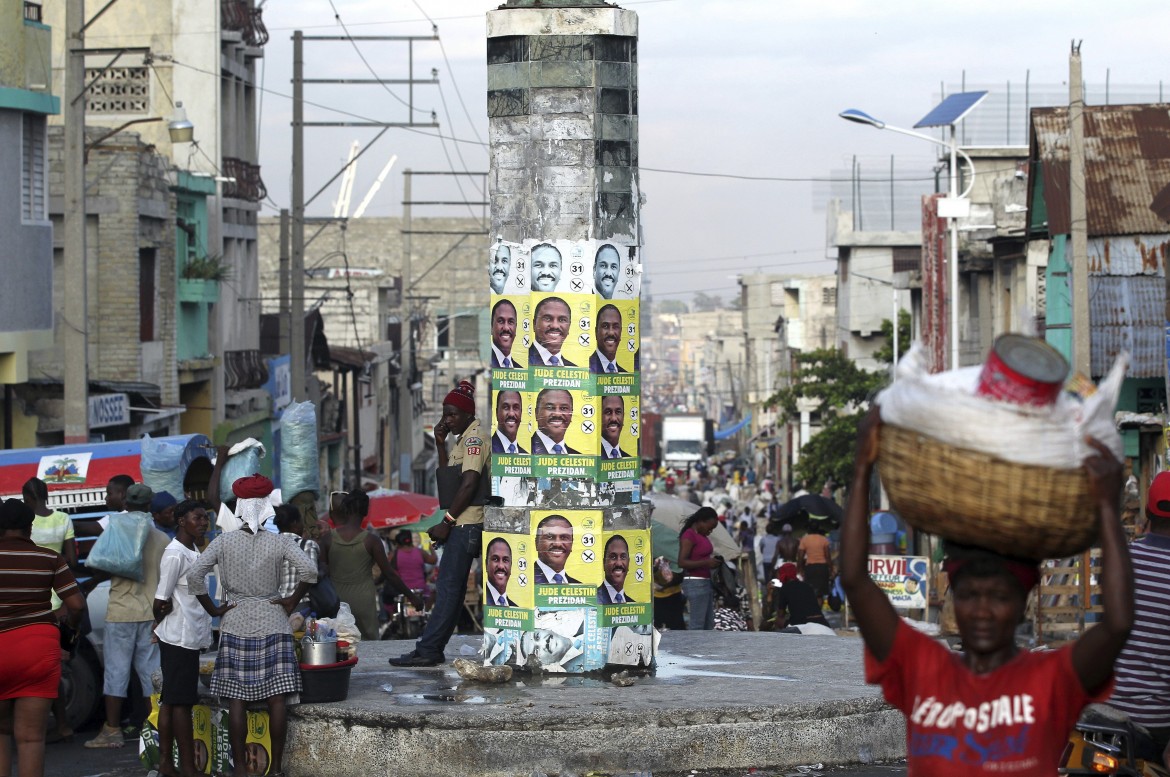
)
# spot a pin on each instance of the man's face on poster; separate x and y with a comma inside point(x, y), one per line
point(554, 413)
point(509, 409)
point(499, 265)
point(551, 324)
point(554, 542)
point(613, 418)
point(606, 266)
point(546, 268)
point(504, 326)
point(616, 562)
point(609, 331)
point(499, 564)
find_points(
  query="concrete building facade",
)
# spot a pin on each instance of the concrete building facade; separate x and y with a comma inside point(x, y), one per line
point(26, 102)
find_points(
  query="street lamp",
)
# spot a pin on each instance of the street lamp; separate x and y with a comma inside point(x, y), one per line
point(948, 113)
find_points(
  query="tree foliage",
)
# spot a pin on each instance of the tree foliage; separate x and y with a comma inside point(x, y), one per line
point(838, 392)
point(671, 306)
point(703, 302)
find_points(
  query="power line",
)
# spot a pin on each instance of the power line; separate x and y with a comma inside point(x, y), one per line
point(366, 62)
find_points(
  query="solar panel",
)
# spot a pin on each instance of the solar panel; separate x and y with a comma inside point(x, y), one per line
point(951, 110)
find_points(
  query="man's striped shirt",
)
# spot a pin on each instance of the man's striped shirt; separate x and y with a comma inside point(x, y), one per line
point(1143, 668)
point(27, 574)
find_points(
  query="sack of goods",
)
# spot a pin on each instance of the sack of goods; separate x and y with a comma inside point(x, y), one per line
point(299, 456)
point(992, 456)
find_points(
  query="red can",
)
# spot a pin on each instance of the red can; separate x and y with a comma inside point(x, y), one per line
point(1023, 370)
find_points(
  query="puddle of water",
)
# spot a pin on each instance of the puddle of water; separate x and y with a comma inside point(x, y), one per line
point(672, 667)
point(447, 696)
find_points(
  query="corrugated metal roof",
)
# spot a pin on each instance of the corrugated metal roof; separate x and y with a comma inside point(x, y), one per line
point(1128, 255)
point(1128, 313)
point(1127, 167)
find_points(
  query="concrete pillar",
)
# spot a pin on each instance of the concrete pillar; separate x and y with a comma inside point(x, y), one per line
point(565, 275)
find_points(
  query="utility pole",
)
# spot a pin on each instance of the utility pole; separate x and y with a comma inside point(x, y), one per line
point(296, 268)
point(284, 282)
point(1078, 218)
point(406, 360)
point(299, 202)
point(74, 317)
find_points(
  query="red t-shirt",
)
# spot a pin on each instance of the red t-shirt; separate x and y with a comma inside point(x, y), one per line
point(1014, 720)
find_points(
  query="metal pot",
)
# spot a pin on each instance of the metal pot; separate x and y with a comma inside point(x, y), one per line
point(318, 653)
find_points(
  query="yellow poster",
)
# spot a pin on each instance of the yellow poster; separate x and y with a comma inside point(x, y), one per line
point(567, 565)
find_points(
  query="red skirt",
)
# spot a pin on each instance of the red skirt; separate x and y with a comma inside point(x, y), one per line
point(32, 662)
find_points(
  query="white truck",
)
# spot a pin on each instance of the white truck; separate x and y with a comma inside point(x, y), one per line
point(684, 441)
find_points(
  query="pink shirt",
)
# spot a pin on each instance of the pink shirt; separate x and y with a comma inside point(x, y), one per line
point(702, 549)
point(411, 567)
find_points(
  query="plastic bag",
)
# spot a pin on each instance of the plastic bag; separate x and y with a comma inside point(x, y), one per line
point(944, 406)
point(243, 461)
point(344, 624)
point(299, 470)
point(118, 549)
point(160, 466)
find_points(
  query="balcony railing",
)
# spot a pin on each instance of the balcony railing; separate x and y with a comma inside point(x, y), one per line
point(32, 11)
point(237, 15)
point(248, 184)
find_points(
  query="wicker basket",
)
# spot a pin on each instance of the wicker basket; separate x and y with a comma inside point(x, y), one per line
point(969, 497)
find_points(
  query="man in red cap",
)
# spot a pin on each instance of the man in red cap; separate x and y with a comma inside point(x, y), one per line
point(1143, 668)
point(992, 709)
point(463, 490)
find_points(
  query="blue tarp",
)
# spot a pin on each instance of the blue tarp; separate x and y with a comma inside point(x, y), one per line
point(723, 434)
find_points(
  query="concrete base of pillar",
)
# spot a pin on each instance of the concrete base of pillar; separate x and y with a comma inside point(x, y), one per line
point(718, 701)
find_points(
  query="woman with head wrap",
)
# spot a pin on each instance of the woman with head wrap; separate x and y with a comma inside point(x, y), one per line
point(257, 658)
point(352, 552)
point(32, 640)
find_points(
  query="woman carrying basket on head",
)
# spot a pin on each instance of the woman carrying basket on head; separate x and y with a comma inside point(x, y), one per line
point(257, 659)
point(993, 708)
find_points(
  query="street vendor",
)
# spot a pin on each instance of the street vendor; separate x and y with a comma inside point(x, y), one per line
point(993, 708)
point(257, 659)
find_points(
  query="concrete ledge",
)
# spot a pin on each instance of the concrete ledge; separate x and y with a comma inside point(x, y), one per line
point(561, 21)
point(718, 701)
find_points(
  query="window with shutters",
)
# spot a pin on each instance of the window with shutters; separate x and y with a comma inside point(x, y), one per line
point(828, 295)
point(32, 169)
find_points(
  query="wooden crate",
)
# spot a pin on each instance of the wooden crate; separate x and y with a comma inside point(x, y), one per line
point(1065, 597)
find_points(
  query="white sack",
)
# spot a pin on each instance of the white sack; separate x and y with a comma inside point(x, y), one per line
point(944, 406)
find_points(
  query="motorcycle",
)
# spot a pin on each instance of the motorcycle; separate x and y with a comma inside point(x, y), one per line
point(404, 621)
point(1106, 741)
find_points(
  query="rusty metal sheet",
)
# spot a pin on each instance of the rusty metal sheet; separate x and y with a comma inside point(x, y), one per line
point(1129, 255)
point(1128, 313)
point(1127, 167)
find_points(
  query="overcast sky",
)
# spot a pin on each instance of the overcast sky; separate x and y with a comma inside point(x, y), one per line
point(747, 88)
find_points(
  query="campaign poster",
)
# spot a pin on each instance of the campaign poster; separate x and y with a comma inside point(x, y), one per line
point(512, 427)
point(566, 438)
point(624, 594)
point(565, 640)
point(617, 273)
point(511, 331)
point(562, 335)
point(620, 422)
point(501, 646)
point(508, 271)
point(632, 645)
point(903, 579)
point(515, 490)
point(566, 566)
point(507, 581)
point(617, 340)
point(558, 266)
